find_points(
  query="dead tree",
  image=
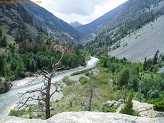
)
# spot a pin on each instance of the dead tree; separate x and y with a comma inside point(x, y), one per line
point(90, 99)
point(45, 90)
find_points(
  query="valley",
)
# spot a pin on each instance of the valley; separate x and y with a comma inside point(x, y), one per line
point(108, 70)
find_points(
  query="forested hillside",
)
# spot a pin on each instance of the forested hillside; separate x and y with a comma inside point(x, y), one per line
point(27, 20)
point(111, 33)
point(31, 38)
point(30, 58)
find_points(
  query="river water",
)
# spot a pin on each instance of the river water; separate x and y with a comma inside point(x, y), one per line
point(8, 100)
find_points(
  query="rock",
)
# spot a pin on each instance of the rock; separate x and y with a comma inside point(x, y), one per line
point(113, 103)
point(146, 110)
point(86, 117)
point(141, 106)
point(109, 103)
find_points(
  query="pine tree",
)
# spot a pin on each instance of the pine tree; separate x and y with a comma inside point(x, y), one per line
point(2, 66)
point(128, 108)
point(145, 64)
point(155, 59)
point(0, 33)
point(3, 42)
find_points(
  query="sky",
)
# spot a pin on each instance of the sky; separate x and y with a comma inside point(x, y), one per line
point(83, 11)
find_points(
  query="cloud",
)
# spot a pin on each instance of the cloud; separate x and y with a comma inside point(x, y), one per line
point(81, 7)
point(83, 11)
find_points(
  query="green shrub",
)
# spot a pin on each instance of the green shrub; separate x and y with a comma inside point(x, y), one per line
point(83, 80)
point(30, 115)
point(109, 109)
point(89, 73)
point(153, 101)
point(68, 81)
point(159, 106)
point(128, 108)
point(13, 113)
point(81, 72)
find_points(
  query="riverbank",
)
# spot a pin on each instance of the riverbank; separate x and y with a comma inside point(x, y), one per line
point(9, 99)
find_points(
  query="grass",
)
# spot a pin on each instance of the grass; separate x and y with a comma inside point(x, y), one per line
point(81, 72)
point(83, 80)
point(68, 81)
point(76, 96)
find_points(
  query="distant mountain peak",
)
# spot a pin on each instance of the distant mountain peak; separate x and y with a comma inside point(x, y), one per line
point(75, 24)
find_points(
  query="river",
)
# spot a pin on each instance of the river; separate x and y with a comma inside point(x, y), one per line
point(8, 100)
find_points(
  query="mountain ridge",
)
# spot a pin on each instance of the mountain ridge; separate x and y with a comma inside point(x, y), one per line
point(29, 19)
point(92, 26)
point(112, 32)
point(75, 24)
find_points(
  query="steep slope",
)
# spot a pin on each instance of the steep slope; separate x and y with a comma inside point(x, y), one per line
point(134, 15)
point(132, 9)
point(118, 15)
point(142, 43)
point(75, 24)
point(91, 27)
point(29, 19)
point(51, 23)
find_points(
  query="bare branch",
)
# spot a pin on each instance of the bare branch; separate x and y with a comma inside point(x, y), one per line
point(44, 90)
point(63, 51)
point(46, 76)
point(25, 103)
point(29, 92)
point(46, 72)
point(57, 85)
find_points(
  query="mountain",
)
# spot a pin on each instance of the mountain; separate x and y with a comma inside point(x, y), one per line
point(91, 27)
point(134, 8)
point(143, 43)
point(29, 19)
point(134, 15)
point(75, 24)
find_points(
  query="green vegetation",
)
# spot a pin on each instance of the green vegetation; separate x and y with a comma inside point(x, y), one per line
point(109, 38)
point(83, 80)
point(128, 108)
point(34, 57)
point(158, 104)
point(109, 109)
point(82, 71)
point(117, 79)
point(3, 42)
point(68, 81)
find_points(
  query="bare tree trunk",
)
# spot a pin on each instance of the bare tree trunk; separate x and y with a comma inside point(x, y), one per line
point(48, 99)
point(90, 100)
point(44, 91)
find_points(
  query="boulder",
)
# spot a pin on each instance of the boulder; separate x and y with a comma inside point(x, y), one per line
point(86, 117)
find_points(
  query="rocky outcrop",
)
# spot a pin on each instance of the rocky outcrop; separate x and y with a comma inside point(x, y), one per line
point(146, 110)
point(86, 117)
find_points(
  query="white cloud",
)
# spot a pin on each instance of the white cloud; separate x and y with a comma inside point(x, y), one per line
point(83, 11)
